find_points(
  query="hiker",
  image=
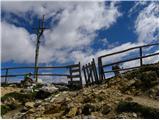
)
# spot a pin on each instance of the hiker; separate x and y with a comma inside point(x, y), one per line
point(117, 68)
point(28, 76)
point(27, 80)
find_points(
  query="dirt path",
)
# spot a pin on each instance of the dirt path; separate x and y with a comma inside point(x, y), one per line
point(144, 101)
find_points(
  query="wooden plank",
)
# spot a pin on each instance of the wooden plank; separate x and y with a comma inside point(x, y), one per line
point(70, 76)
point(85, 76)
point(140, 54)
point(88, 76)
point(37, 74)
point(90, 72)
point(41, 67)
point(130, 59)
point(95, 70)
point(80, 74)
point(76, 70)
point(100, 69)
point(122, 69)
point(73, 76)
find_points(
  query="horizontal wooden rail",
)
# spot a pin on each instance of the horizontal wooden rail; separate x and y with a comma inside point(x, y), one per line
point(15, 75)
point(130, 59)
point(128, 50)
point(122, 69)
point(41, 67)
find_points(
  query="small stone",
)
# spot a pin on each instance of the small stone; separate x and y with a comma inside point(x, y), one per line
point(129, 98)
point(24, 109)
point(29, 104)
point(106, 109)
point(12, 85)
point(31, 111)
point(96, 114)
point(87, 109)
point(37, 103)
point(72, 112)
point(116, 102)
point(135, 115)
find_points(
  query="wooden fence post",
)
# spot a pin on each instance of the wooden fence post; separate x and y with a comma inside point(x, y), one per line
point(90, 72)
point(6, 76)
point(70, 70)
point(100, 69)
point(88, 75)
point(36, 74)
point(95, 70)
point(85, 76)
point(80, 73)
point(141, 61)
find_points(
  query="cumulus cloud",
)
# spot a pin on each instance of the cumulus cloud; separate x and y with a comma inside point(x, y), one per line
point(15, 44)
point(75, 30)
point(147, 23)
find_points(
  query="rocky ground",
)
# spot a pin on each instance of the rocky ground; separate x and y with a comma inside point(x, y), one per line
point(134, 95)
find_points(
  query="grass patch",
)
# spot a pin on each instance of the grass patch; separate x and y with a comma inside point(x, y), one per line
point(146, 112)
point(19, 96)
point(6, 108)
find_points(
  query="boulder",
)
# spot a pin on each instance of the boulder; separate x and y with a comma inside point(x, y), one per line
point(40, 81)
point(49, 89)
point(46, 91)
point(62, 87)
point(27, 90)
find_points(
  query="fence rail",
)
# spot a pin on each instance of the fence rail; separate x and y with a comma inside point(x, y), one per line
point(73, 67)
point(141, 57)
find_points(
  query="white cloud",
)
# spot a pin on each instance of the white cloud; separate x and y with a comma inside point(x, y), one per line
point(75, 31)
point(87, 57)
point(15, 44)
point(147, 23)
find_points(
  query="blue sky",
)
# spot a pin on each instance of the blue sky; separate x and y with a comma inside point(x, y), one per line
point(78, 31)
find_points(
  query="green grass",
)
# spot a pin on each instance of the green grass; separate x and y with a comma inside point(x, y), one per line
point(146, 112)
point(6, 108)
point(19, 96)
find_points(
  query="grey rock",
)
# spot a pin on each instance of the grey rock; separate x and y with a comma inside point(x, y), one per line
point(135, 115)
point(62, 87)
point(49, 89)
point(106, 109)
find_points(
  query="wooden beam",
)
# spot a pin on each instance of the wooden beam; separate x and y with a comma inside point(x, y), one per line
point(130, 59)
point(128, 50)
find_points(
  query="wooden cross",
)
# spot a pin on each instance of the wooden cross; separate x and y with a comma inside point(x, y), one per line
point(39, 31)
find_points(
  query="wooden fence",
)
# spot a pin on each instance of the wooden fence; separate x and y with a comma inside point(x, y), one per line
point(101, 66)
point(75, 68)
point(90, 73)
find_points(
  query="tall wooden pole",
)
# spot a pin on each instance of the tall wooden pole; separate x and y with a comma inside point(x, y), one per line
point(40, 31)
